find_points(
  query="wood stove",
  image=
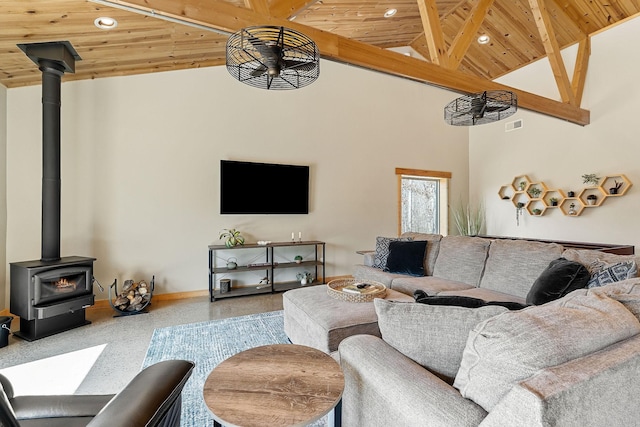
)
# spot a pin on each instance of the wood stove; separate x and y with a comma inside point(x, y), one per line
point(50, 295)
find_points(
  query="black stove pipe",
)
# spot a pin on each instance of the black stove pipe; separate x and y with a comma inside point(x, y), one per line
point(52, 72)
point(53, 60)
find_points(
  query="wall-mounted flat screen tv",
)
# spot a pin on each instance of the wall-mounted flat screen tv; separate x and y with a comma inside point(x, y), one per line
point(263, 188)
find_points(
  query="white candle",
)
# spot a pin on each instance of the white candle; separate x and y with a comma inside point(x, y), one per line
point(299, 235)
point(292, 236)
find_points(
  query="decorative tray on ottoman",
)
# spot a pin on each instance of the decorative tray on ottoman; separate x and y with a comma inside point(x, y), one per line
point(352, 290)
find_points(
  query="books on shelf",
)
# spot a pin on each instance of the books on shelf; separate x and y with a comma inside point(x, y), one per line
point(360, 288)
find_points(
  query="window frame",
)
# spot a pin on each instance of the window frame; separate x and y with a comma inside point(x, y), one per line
point(443, 180)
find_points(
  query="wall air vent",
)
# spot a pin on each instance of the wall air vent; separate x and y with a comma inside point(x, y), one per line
point(514, 125)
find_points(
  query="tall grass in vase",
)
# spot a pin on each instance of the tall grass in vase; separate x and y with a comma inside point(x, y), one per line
point(469, 219)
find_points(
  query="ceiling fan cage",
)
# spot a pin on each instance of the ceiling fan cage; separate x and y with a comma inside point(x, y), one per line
point(271, 57)
point(480, 108)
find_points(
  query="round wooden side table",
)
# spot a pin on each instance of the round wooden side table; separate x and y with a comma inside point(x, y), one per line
point(275, 385)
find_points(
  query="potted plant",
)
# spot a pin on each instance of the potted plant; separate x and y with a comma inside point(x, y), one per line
point(572, 209)
point(591, 199)
point(304, 277)
point(591, 179)
point(232, 237)
point(535, 192)
point(522, 184)
point(614, 190)
point(554, 201)
point(298, 259)
point(537, 211)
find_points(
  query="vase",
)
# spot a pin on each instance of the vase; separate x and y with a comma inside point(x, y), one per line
point(303, 281)
point(591, 202)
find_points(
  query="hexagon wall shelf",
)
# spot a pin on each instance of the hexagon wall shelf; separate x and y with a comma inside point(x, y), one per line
point(519, 191)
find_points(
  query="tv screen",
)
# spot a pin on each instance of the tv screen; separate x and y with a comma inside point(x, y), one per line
point(263, 188)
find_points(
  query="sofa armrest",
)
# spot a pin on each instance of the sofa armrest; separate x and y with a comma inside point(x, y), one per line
point(368, 257)
point(32, 407)
point(383, 387)
point(598, 389)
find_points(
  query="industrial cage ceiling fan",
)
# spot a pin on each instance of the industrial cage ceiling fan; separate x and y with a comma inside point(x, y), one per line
point(480, 108)
point(271, 57)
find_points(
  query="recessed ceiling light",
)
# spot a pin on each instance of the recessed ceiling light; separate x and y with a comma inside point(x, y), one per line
point(105, 23)
point(484, 39)
point(390, 12)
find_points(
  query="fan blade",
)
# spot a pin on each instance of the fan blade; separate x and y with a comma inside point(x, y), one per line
point(299, 65)
point(259, 71)
point(498, 108)
point(271, 54)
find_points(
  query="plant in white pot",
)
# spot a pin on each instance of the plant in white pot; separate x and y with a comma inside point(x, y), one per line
point(304, 277)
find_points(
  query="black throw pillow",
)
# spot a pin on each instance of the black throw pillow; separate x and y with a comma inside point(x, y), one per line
point(406, 257)
point(558, 279)
point(422, 297)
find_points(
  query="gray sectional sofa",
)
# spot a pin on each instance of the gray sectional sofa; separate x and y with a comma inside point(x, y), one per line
point(573, 361)
point(489, 269)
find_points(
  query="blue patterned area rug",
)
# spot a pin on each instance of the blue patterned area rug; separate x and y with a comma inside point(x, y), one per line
point(207, 344)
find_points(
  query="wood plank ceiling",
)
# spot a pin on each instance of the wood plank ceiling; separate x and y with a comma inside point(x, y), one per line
point(441, 34)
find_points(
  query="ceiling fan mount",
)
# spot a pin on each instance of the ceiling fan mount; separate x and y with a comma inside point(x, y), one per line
point(480, 108)
point(271, 57)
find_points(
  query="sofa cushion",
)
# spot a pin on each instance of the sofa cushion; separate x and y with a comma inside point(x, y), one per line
point(433, 247)
point(363, 273)
point(610, 273)
point(627, 292)
point(509, 348)
point(513, 265)
point(461, 259)
point(433, 336)
point(593, 259)
point(382, 250)
point(430, 284)
point(558, 279)
point(406, 257)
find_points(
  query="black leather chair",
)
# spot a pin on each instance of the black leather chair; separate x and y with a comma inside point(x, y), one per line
point(152, 398)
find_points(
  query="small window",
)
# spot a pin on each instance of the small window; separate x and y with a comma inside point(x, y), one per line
point(423, 199)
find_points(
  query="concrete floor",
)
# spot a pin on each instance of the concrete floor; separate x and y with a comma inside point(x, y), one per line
point(127, 337)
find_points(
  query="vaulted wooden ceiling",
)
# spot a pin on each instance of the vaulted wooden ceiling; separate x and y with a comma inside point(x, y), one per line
point(443, 33)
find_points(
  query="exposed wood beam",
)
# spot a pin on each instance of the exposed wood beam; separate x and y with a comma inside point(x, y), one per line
point(465, 36)
point(550, 43)
point(258, 6)
point(223, 16)
point(580, 69)
point(419, 45)
point(438, 53)
point(290, 8)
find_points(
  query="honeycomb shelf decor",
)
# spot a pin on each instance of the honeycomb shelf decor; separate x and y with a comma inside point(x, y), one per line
point(536, 198)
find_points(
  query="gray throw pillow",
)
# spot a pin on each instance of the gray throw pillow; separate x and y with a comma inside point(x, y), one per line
point(382, 249)
point(509, 348)
point(434, 336)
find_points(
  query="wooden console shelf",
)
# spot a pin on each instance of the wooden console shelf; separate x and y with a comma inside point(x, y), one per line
point(264, 262)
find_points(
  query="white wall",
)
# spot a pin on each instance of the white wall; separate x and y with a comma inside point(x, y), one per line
point(141, 165)
point(4, 292)
point(558, 153)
